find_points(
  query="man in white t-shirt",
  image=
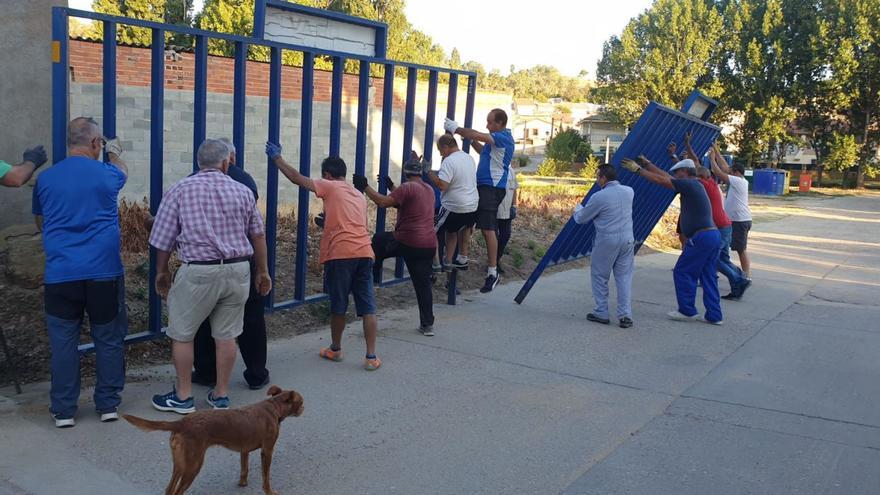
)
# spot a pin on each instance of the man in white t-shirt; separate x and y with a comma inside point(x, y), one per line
point(736, 205)
point(457, 179)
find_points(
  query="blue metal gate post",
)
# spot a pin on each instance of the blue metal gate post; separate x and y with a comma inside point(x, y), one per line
point(239, 96)
point(271, 169)
point(360, 152)
point(305, 168)
point(452, 278)
point(336, 104)
point(469, 110)
point(109, 102)
point(157, 152)
point(409, 119)
point(200, 97)
point(385, 145)
point(430, 116)
point(60, 84)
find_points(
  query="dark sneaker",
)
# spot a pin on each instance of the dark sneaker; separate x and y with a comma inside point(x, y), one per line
point(491, 282)
point(742, 288)
point(217, 402)
point(170, 402)
point(459, 265)
point(731, 297)
point(427, 330)
point(62, 421)
point(258, 386)
point(597, 319)
point(626, 322)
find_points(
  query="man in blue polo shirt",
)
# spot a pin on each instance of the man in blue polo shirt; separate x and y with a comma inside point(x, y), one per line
point(75, 204)
point(496, 152)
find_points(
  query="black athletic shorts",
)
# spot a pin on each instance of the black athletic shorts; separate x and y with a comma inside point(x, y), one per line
point(487, 211)
point(453, 222)
point(739, 239)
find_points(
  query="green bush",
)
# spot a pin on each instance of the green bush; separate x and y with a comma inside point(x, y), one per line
point(591, 165)
point(551, 167)
point(518, 259)
point(564, 145)
point(522, 161)
point(583, 152)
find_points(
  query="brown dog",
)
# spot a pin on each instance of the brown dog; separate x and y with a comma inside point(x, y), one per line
point(242, 430)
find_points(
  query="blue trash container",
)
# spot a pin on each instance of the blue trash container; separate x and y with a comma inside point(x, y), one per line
point(764, 182)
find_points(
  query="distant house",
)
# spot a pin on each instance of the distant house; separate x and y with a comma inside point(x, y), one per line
point(602, 133)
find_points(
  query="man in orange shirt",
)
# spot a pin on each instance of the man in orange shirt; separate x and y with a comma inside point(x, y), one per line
point(346, 251)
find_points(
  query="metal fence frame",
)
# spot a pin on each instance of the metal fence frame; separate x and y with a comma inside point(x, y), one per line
point(60, 118)
point(652, 133)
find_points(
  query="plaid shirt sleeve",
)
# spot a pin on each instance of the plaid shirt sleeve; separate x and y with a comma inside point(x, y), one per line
point(255, 224)
point(166, 228)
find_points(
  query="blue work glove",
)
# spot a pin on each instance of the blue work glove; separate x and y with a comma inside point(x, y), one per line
point(512, 212)
point(273, 150)
point(35, 155)
point(359, 181)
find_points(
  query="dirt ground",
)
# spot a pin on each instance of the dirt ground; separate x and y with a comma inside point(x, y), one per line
point(542, 213)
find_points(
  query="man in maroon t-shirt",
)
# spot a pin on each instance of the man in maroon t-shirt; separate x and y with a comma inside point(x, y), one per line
point(413, 236)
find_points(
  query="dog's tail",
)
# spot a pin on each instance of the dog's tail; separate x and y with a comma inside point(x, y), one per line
point(147, 425)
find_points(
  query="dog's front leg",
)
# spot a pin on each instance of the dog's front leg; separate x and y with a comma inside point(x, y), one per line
point(242, 480)
point(266, 458)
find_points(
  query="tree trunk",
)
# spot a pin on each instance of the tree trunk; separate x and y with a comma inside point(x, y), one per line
point(819, 170)
point(860, 172)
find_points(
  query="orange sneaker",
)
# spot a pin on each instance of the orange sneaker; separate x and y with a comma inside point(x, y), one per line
point(372, 364)
point(328, 353)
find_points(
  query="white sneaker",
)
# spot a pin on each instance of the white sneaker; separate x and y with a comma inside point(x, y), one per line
point(704, 320)
point(675, 315)
point(64, 422)
point(109, 417)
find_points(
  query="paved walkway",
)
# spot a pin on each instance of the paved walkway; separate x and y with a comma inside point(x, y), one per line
point(784, 398)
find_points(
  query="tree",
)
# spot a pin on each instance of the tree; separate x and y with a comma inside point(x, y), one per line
point(148, 10)
point(455, 59)
point(661, 55)
point(564, 146)
point(843, 153)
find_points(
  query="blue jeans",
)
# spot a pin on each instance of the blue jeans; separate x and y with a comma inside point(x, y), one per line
point(698, 260)
point(725, 266)
point(66, 303)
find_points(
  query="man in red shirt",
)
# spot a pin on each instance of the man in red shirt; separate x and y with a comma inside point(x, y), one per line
point(413, 236)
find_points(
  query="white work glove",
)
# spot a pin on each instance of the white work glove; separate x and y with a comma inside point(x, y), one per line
point(450, 125)
point(113, 146)
point(630, 165)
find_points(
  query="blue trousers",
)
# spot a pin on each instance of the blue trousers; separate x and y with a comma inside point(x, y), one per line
point(612, 253)
point(734, 275)
point(66, 303)
point(698, 261)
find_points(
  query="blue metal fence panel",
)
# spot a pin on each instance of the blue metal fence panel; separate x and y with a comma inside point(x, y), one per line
point(469, 110)
point(336, 105)
point(656, 128)
point(60, 92)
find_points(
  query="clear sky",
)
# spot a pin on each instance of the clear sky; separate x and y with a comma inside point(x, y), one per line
point(567, 34)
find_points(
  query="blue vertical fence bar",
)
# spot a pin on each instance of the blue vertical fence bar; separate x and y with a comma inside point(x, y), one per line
point(409, 120)
point(271, 170)
point(469, 110)
point(453, 93)
point(157, 152)
point(109, 102)
point(336, 104)
point(239, 97)
point(430, 116)
point(360, 153)
point(305, 168)
point(385, 142)
point(200, 96)
point(60, 84)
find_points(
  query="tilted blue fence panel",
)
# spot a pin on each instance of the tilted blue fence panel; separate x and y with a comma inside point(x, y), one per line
point(656, 128)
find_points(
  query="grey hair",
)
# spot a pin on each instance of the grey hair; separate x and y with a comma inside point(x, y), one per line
point(228, 144)
point(212, 153)
point(81, 131)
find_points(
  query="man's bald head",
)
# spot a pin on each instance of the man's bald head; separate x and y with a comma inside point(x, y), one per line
point(81, 131)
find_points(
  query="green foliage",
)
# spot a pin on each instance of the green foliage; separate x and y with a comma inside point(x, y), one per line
point(522, 160)
point(661, 55)
point(148, 10)
point(843, 152)
point(564, 145)
point(591, 165)
point(583, 152)
point(552, 167)
point(517, 257)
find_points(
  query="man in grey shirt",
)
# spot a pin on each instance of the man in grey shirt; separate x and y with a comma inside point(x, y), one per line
point(610, 210)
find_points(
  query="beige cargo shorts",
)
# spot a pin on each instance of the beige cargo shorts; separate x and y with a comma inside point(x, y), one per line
point(213, 292)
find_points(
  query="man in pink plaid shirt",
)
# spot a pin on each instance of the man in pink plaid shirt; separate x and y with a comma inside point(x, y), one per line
point(207, 218)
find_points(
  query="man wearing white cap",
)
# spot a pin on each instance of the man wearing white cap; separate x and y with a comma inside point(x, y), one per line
point(699, 255)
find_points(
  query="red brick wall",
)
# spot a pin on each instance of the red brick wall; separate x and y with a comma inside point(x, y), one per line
point(133, 69)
